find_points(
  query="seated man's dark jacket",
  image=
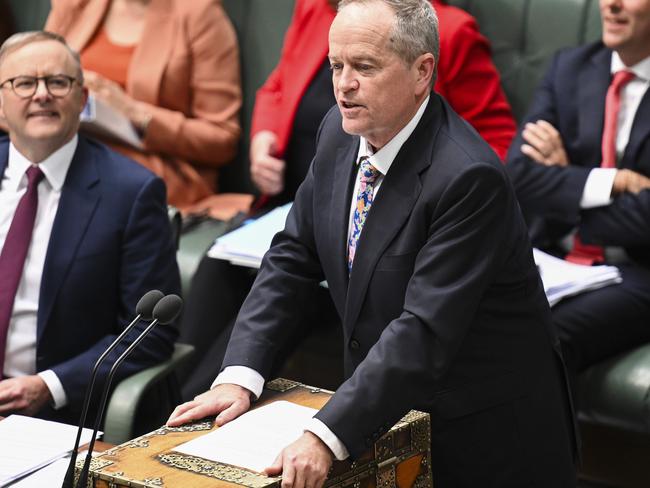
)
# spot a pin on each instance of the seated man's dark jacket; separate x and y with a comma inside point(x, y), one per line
point(110, 243)
point(443, 311)
point(572, 98)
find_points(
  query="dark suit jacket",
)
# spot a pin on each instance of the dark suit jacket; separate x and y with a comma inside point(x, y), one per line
point(443, 311)
point(572, 98)
point(110, 243)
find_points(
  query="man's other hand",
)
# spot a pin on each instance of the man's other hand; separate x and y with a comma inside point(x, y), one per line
point(629, 181)
point(544, 144)
point(303, 464)
point(227, 401)
point(267, 171)
point(25, 395)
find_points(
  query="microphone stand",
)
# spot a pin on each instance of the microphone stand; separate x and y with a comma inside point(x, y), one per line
point(170, 306)
point(144, 310)
point(68, 481)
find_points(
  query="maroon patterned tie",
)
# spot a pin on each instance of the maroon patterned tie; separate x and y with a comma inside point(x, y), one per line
point(14, 252)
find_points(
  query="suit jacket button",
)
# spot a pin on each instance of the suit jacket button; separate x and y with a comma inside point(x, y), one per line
point(354, 344)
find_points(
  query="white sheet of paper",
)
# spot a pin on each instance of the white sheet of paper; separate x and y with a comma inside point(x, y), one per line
point(27, 444)
point(563, 279)
point(254, 440)
point(247, 245)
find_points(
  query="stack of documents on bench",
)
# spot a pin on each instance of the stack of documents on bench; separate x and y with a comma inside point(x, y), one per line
point(28, 444)
point(247, 245)
point(563, 279)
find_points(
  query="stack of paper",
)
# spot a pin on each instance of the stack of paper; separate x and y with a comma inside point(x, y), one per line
point(562, 278)
point(100, 119)
point(28, 444)
point(247, 245)
point(273, 427)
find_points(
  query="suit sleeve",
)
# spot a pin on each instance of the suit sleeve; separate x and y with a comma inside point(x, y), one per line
point(470, 82)
point(147, 262)
point(463, 252)
point(210, 133)
point(625, 222)
point(547, 191)
point(284, 287)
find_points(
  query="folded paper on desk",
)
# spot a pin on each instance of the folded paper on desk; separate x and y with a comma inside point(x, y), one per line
point(563, 279)
point(255, 439)
point(100, 119)
point(28, 444)
point(247, 245)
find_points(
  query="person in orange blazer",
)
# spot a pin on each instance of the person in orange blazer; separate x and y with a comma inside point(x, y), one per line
point(467, 78)
point(180, 82)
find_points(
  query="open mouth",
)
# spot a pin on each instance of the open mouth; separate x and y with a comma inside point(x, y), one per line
point(349, 105)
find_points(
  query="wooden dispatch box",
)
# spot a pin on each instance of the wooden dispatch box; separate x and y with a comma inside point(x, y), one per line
point(401, 458)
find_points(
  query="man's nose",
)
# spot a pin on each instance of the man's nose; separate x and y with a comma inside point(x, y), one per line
point(41, 93)
point(347, 80)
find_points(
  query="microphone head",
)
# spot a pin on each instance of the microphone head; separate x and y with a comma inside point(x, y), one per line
point(147, 303)
point(167, 309)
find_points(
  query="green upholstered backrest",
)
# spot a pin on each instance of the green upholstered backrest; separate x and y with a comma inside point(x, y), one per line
point(524, 35)
point(29, 14)
point(260, 26)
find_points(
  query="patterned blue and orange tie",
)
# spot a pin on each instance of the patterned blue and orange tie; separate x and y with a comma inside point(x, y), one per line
point(368, 174)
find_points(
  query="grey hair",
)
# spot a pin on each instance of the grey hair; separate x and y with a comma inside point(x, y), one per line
point(24, 38)
point(415, 31)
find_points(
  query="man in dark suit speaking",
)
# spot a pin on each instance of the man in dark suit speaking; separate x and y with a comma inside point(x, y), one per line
point(411, 219)
point(84, 234)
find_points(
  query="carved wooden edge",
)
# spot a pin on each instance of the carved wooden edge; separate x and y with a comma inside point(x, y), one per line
point(222, 472)
point(281, 385)
point(387, 457)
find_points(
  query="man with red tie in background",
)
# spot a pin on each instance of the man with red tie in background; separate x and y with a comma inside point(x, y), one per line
point(84, 234)
point(581, 167)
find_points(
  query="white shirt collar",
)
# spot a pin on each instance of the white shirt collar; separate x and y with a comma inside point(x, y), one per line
point(55, 166)
point(640, 69)
point(383, 159)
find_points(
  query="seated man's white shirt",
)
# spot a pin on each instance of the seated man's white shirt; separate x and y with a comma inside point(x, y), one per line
point(598, 187)
point(382, 161)
point(20, 355)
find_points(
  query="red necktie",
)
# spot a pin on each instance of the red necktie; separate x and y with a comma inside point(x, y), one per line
point(14, 252)
point(584, 253)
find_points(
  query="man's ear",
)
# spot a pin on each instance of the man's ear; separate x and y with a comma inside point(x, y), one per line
point(84, 98)
point(424, 66)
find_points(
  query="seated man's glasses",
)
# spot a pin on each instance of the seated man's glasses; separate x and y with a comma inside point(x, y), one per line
point(25, 86)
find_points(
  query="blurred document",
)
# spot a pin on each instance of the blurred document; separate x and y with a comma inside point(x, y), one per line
point(28, 444)
point(255, 439)
point(247, 245)
point(563, 279)
point(100, 119)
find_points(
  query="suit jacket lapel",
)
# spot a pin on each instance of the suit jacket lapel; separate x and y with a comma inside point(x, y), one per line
point(640, 133)
point(79, 197)
point(341, 197)
point(4, 157)
point(390, 209)
point(593, 82)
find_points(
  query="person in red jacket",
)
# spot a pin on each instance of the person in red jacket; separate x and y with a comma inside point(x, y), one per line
point(298, 93)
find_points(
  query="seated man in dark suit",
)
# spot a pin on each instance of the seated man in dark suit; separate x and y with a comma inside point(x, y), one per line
point(413, 222)
point(84, 234)
point(581, 167)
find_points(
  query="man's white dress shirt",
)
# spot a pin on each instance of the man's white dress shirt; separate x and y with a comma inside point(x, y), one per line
point(20, 355)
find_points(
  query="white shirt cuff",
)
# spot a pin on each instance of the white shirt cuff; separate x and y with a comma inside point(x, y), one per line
point(598, 188)
point(323, 432)
point(242, 376)
point(53, 384)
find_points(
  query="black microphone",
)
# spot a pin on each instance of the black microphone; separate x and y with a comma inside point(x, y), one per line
point(144, 310)
point(165, 311)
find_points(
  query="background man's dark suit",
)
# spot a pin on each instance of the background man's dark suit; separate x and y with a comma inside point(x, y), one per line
point(110, 243)
point(572, 98)
point(443, 311)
